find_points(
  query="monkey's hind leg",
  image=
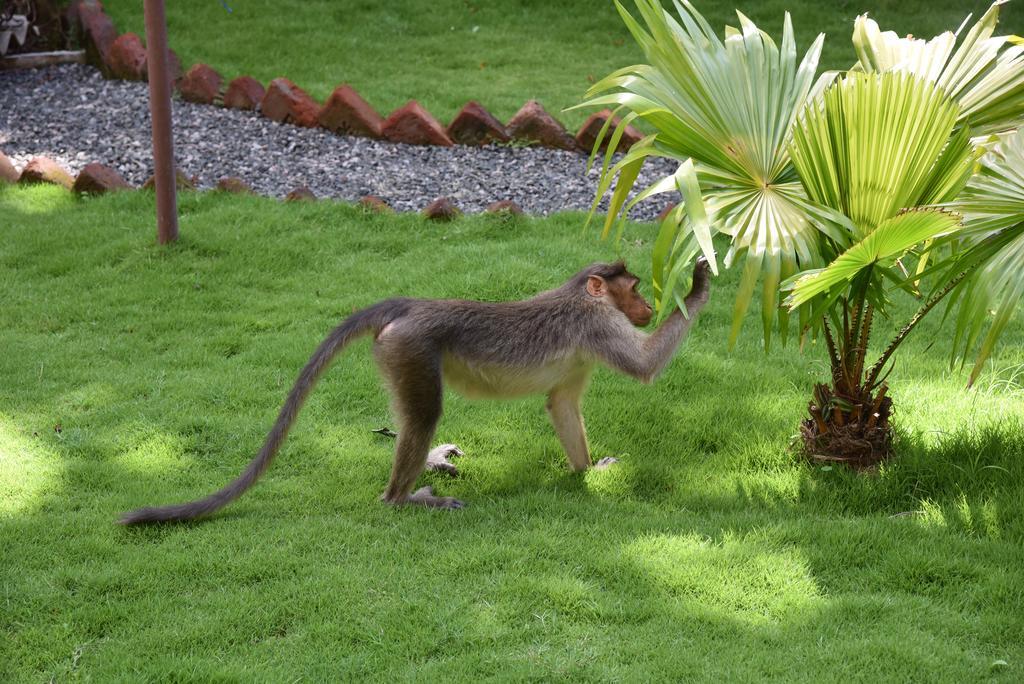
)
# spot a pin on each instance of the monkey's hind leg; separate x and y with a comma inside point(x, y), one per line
point(416, 383)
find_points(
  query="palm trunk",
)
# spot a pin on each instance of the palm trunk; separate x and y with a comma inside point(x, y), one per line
point(849, 421)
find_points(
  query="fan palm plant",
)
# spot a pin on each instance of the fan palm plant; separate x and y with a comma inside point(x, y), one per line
point(825, 187)
point(881, 149)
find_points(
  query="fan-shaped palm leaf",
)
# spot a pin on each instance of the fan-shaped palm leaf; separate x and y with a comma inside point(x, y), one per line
point(890, 239)
point(873, 147)
point(991, 250)
point(725, 110)
point(986, 80)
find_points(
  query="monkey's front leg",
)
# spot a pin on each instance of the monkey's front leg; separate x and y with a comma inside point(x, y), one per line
point(564, 409)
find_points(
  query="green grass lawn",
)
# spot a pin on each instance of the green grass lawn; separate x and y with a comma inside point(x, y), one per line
point(501, 53)
point(132, 374)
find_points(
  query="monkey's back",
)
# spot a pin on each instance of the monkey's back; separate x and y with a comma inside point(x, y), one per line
point(522, 333)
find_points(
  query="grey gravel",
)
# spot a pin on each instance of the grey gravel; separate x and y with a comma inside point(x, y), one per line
point(71, 114)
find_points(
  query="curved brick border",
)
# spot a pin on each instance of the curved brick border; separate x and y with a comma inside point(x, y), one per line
point(345, 113)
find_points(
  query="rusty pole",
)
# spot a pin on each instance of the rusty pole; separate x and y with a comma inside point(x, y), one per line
point(160, 113)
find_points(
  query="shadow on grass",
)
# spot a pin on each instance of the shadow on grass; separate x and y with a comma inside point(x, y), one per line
point(971, 475)
point(718, 586)
point(707, 536)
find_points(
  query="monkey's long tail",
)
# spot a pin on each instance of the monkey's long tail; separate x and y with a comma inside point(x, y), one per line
point(370, 319)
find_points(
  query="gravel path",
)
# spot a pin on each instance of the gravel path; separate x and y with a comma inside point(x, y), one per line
point(71, 114)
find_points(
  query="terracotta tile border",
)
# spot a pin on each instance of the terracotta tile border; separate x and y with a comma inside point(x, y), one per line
point(345, 113)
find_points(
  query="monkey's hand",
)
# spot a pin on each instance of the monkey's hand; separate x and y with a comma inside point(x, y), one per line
point(438, 457)
point(701, 288)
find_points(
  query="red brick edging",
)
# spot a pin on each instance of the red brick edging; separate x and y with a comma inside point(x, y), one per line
point(345, 113)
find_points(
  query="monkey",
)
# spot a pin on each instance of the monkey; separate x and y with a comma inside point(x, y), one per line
point(547, 344)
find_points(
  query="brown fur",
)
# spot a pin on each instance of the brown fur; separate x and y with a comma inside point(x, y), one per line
point(547, 344)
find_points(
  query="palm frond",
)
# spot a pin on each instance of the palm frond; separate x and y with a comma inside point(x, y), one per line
point(878, 147)
point(892, 238)
point(991, 249)
point(870, 147)
point(725, 109)
point(986, 80)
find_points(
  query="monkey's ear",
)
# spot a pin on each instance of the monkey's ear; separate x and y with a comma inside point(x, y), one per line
point(596, 286)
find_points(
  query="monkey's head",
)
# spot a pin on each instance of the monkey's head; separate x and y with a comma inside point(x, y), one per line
point(617, 286)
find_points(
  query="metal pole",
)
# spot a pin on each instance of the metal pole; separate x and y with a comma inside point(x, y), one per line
point(160, 113)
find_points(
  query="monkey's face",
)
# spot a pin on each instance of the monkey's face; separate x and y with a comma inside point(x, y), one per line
point(630, 302)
